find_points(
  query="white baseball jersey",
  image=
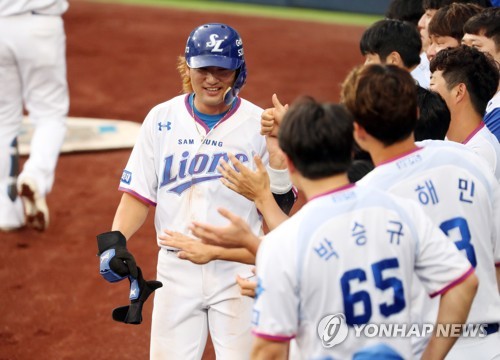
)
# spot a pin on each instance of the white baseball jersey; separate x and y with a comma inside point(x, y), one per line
point(352, 251)
point(492, 116)
point(459, 193)
point(173, 165)
point(486, 145)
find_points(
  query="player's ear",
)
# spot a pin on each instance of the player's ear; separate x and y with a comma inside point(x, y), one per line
point(394, 59)
point(361, 136)
point(459, 92)
point(359, 133)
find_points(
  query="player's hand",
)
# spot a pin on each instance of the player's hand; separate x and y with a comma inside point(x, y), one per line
point(190, 249)
point(267, 123)
point(235, 235)
point(271, 118)
point(247, 287)
point(250, 184)
point(116, 262)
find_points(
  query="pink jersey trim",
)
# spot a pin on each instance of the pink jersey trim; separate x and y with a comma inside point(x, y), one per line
point(342, 188)
point(232, 110)
point(137, 196)
point(417, 148)
point(280, 338)
point(454, 283)
point(471, 135)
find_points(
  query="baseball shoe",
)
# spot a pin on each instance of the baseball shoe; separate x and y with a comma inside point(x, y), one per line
point(35, 206)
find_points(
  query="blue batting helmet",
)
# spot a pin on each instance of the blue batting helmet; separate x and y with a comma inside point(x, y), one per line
point(218, 45)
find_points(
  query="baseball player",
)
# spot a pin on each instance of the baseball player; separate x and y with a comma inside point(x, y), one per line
point(397, 43)
point(173, 167)
point(445, 29)
point(393, 42)
point(430, 7)
point(33, 75)
point(452, 184)
point(350, 252)
point(467, 79)
point(411, 12)
point(482, 31)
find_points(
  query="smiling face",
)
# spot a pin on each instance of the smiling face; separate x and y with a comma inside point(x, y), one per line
point(209, 85)
point(483, 44)
point(438, 43)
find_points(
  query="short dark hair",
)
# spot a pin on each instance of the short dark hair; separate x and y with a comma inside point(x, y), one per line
point(358, 169)
point(405, 10)
point(450, 20)
point(486, 23)
point(434, 116)
point(383, 100)
point(317, 138)
point(438, 4)
point(386, 36)
point(467, 65)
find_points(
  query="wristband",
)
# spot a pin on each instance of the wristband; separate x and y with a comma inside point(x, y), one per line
point(280, 180)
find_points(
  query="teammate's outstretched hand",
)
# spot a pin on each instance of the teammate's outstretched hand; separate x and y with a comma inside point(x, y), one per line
point(190, 249)
point(251, 184)
point(271, 117)
point(235, 235)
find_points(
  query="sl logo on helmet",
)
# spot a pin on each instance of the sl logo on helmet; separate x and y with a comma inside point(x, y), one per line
point(215, 43)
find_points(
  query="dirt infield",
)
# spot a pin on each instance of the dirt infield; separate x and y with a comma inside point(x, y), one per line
point(121, 62)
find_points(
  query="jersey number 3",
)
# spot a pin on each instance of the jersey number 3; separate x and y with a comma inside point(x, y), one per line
point(464, 242)
point(361, 299)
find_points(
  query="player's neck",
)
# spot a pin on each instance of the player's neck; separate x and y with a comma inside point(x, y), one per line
point(462, 124)
point(313, 188)
point(209, 109)
point(381, 153)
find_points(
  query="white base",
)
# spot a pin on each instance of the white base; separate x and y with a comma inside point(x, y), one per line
point(88, 134)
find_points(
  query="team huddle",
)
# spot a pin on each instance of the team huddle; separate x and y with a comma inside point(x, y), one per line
point(402, 220)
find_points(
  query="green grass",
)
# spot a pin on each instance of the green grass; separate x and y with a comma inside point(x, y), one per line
point(259, 10)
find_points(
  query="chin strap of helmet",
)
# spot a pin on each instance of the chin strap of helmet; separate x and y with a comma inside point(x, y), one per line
point(232, 92)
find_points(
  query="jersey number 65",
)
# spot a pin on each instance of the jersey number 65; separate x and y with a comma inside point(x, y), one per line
point(362, 298)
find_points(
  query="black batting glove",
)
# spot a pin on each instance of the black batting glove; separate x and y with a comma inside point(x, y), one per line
point(116, 263)
point(140, 290)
